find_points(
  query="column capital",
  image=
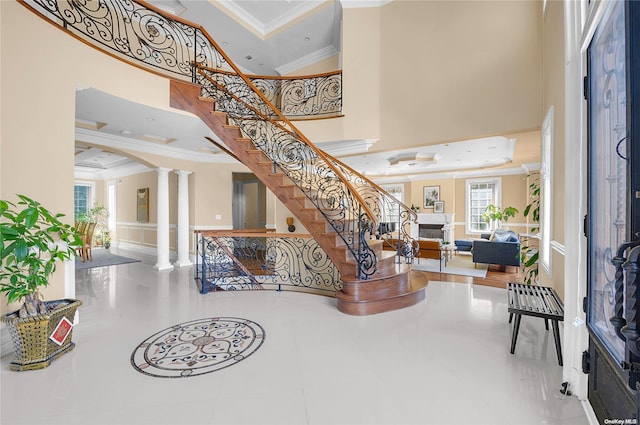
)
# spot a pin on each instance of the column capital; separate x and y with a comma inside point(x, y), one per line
point(183, 172)
point(164, 170)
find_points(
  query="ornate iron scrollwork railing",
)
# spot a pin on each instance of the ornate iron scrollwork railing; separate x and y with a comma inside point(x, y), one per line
point(228, 261)
point(145, 36)
point(310, 169)
point(387, 210)
point(310, 96)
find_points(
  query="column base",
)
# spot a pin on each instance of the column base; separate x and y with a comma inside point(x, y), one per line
point(160, 267)
point(180, 264)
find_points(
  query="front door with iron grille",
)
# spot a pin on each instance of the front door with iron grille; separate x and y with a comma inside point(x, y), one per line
point(611, 225)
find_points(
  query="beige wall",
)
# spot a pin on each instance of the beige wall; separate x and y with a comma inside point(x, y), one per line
point(553, 96)
point(361, 74)
point(455, 70)
point(413, 76)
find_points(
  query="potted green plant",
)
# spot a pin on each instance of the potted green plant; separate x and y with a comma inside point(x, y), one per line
point(495, 214)
point(33, 241)
point(106, 237)
point(530, 253)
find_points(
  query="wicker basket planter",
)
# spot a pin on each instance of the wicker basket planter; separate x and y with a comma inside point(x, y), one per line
point(33, 347)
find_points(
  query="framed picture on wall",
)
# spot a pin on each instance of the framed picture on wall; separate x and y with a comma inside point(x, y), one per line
point(431, 195)
point(438, 207)
point(142, 204)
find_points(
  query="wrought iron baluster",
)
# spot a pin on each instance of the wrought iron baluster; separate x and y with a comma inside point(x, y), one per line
point(617, 320)
point(630, 330)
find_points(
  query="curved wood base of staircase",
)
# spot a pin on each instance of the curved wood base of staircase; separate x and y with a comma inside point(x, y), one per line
point(379, 295)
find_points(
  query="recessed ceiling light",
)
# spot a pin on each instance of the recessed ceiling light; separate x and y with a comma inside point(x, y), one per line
point(249, 57)
point(307, 38)
point(125, 132)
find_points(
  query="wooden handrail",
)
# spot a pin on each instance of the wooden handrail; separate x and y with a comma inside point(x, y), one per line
point(243, 233)
point(295, 131)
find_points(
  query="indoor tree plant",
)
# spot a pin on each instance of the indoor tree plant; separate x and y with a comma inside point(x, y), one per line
point(33, 240)
point(530, 254)
point(495, 214)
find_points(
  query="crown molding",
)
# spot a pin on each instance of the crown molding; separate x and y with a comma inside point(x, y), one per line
point(491, 172)
point(87, 173)
point(353, 4)
point(346, 147)
point(311, 58)
point(264, 29)
point(127, 144)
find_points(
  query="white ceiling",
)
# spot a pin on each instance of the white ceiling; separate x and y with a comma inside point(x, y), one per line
point(279, 36)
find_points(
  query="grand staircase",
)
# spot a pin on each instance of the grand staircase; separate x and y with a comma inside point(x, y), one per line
point(373, 279)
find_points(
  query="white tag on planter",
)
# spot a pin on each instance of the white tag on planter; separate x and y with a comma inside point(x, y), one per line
point(61, 331)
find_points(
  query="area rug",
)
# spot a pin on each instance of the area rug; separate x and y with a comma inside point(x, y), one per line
point(103, 258)
point(197, 347)
point(459, 264)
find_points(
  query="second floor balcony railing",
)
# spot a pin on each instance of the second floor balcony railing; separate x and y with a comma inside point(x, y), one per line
point(144, 36)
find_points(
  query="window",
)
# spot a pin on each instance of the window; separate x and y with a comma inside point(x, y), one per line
point(481, 193)
point(82, 198)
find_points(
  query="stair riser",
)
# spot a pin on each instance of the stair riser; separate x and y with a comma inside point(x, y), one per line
point(380, 306)
point(377, 288)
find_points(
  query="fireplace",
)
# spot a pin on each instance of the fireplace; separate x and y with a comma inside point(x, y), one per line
point(431, 231)
point(436, 225)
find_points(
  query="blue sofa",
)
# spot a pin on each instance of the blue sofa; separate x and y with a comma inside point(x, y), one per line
point(503, 249)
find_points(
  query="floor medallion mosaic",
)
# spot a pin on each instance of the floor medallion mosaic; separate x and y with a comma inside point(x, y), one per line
point(197, 347)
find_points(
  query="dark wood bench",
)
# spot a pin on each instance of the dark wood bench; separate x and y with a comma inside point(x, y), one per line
point(537, 301)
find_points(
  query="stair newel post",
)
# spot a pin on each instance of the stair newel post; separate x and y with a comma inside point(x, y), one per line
point(359, 260)
point(203, 273)
point(196, 271)
point(399, 243)
point(194, 64)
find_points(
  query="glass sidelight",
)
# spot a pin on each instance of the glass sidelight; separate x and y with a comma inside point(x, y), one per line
point(607, 172)
point(612, 225)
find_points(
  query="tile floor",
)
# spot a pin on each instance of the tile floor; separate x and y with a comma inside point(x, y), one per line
point(444, 361)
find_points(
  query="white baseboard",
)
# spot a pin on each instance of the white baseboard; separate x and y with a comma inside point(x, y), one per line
point(588, 410)
point(146, 250)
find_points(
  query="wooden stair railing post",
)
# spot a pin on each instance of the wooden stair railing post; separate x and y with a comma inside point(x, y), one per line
point(203, 274)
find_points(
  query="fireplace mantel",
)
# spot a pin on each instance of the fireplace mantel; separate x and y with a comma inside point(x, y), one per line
point(442, 218)
point(445, 219)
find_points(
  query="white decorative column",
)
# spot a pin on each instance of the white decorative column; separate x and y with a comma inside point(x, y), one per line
point(163, 220)
point(183, 219)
